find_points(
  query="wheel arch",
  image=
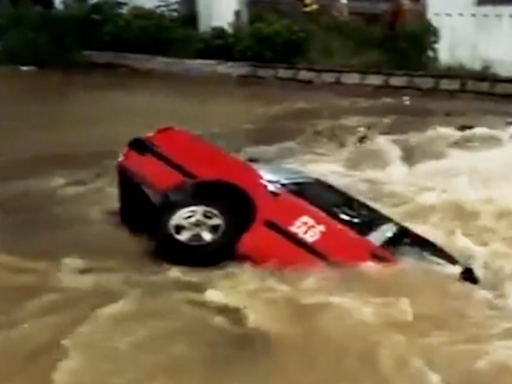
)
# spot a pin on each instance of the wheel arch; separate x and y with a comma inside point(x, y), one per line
point(236, 197)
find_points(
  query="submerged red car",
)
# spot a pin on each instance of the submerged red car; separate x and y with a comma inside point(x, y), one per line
point(202, 206)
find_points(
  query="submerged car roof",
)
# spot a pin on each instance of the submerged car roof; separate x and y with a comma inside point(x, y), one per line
point(278, 173)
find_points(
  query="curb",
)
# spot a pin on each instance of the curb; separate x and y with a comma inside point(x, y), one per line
point(421, 81)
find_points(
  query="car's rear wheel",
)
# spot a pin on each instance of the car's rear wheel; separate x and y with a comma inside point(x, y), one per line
point(198, 231)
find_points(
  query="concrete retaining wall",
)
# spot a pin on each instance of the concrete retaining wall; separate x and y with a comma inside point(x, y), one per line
point(399, 80)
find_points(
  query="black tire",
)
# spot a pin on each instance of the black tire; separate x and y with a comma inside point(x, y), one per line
point(171, 249)
point(136, 210)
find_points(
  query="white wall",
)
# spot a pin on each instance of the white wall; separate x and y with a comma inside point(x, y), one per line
point(219, 13)
point(473, 36)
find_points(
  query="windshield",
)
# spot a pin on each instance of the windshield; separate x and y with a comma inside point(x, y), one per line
point(367, 221)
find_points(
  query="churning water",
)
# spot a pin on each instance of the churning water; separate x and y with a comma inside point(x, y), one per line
point(242, 325)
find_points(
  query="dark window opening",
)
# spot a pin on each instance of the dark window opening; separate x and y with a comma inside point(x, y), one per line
point(339, 205)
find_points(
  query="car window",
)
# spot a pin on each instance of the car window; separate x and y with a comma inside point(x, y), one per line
point(408, 244)
point(339, 205)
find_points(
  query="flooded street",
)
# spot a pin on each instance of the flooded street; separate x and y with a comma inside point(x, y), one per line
point(82, 303)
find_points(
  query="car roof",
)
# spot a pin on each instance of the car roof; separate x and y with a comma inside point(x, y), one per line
point(278, 173)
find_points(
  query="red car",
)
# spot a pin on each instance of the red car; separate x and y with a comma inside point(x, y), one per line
point(202, 206)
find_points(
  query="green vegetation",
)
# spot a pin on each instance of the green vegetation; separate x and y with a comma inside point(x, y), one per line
point(33, 36)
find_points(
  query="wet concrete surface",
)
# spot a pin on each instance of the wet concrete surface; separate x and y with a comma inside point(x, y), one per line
point(61, 133)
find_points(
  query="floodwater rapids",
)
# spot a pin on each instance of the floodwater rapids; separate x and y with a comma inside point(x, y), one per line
point(80, 303)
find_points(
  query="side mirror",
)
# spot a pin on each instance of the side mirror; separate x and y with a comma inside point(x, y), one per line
point(469, 276)
point(139, 145)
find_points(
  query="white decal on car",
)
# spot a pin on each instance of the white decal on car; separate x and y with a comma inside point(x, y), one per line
point(307, 229)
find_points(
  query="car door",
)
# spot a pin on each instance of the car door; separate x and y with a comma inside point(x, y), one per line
point(294, 233)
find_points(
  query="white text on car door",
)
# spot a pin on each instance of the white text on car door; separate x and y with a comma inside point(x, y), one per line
point(307, 229)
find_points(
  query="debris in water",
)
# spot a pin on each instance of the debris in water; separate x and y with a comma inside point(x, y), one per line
point(364, 135)
point(465, 127)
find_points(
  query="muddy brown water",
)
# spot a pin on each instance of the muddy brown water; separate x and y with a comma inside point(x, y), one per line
point(81, 303)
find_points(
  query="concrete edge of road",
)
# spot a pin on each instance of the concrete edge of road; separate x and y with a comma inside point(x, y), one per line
point(420, 81)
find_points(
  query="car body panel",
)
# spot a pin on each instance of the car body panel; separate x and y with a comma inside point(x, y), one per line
point(287, 231)
point(149, 172)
